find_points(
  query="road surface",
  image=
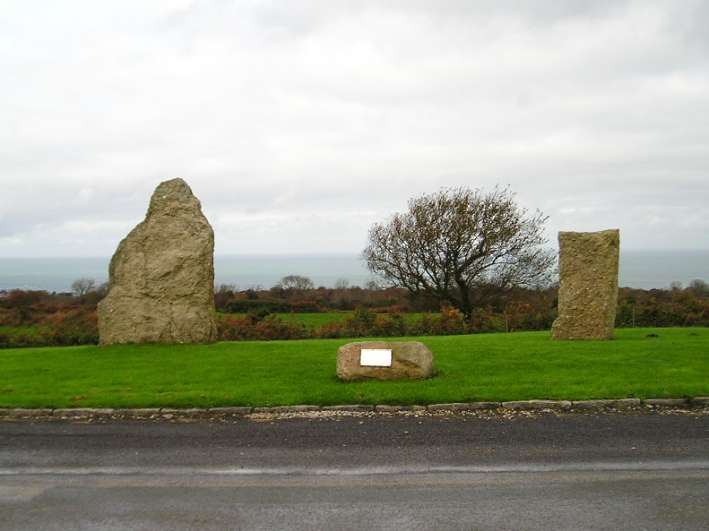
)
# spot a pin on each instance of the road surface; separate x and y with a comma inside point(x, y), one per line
point(386, 472)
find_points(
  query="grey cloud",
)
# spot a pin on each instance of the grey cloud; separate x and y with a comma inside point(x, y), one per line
point(299, 124)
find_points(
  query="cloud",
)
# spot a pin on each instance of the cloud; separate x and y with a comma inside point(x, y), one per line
point(299, 124)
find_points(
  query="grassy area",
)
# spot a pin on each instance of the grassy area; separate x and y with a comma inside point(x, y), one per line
point(13, 332)
point(479, 367)
point(314, 320)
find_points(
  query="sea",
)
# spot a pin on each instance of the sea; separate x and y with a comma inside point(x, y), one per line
point(638, 269)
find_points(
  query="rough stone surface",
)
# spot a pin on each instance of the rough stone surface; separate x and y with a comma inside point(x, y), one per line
point(592, 404)
point(83, 412)
point(518, 404)
point(588, 285)
point(385, 408)
point(293, 409)
point(452, 406)
point(18, 413)
point(410, 360)
point(349, 407)
point(264, 409)
point(482, 405)
point(138, 413)
point(161, 278)
point(235, 411)
point(626, 402)
point(551, 404)
point(666, 402)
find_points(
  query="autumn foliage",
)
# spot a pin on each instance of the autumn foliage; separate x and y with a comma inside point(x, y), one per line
point(32, 318)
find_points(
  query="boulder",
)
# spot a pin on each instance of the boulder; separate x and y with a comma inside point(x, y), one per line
point(161, 277)
point(409, 360)
point(588, 285)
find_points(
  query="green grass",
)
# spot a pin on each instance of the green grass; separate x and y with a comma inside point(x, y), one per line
point(514, 366)
point(15, 331)
point(314, 320)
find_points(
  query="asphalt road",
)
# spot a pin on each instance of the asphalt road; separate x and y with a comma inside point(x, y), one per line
point(565, 472)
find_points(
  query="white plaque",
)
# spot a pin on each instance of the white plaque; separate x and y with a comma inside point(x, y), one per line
point(375, 357)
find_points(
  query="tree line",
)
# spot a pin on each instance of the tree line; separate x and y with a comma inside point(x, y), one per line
point(30, 318)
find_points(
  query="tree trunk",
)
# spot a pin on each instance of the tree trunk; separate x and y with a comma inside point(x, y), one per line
point(465, 304)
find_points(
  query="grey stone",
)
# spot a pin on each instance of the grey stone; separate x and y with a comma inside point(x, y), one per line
point(550, 404)
point(74, 413)
point(349, 407)
point(588, 285)
point(452, 406)
point(483, 405)
point(145, 412)
point(592, 404)
point(517, 404)
point(302, 408)
point(666, 402)
point(700, 401)
point(384, 408)
point(87, 412)
point(193, 412)
point(410, 360)
point(537, 404)
point(607, 403)
point(161, 277)
point(18, 413)
point(237, 411)
point(627, 402)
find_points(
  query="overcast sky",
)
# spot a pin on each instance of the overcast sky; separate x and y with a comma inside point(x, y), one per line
point(299, 124)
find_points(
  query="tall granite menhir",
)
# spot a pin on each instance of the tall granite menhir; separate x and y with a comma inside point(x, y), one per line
point(588, 285)
point(161, 278)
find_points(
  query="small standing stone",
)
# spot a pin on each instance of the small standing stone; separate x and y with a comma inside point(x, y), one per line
point(588, 285)
point(409, 359)
point(161, 277)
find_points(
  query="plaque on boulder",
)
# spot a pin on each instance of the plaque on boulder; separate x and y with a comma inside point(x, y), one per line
point(384, 360)
point(588, 285)
point(161, 277)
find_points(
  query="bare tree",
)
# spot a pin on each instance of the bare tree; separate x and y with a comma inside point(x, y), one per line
point(295, 282)
point(83, 286)
point(373, 284)
point(342, 283)
point(452, 243)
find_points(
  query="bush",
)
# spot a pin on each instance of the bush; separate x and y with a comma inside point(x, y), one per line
point(267, 328)
point(73, 327)
point(271, 306)
point(450, 322)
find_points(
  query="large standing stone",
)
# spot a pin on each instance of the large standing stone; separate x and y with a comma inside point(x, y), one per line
point(161, 278)
point(410, 359)
point(588, 285)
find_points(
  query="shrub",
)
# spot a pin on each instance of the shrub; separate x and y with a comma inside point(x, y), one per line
point(76, 326)
point(450, 322)
point(269, 327)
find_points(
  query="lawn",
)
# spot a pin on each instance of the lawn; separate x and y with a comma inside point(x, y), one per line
point(513, 366)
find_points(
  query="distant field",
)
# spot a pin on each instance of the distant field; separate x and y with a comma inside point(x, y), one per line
point(501, 366)
point(15, 331)
point(315, 320)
